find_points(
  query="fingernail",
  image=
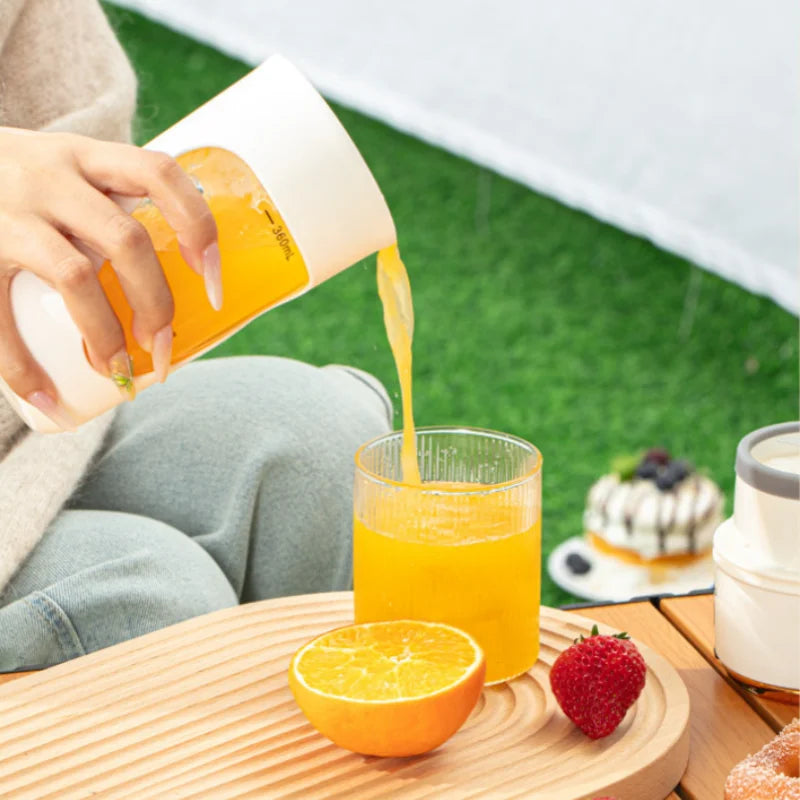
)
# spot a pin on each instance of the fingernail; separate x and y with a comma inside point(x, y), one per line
point(52, 409)
point(212, 275)
point(121, 368)
point(162, 352)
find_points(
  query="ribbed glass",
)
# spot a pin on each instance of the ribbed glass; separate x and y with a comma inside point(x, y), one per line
point(463, 547)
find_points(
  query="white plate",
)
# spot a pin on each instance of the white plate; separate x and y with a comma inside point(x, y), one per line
point(614, 580)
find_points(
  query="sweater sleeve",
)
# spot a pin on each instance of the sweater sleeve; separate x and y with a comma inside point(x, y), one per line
point(62, 69)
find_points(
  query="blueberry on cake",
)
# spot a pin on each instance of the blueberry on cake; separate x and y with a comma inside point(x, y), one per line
point(653, 509)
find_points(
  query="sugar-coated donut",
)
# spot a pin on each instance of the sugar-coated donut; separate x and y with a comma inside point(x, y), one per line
point(771, 773)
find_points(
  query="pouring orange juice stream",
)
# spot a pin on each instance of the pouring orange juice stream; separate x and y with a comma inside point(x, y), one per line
point(398, 316)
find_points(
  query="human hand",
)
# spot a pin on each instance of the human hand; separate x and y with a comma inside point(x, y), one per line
point(58, 221)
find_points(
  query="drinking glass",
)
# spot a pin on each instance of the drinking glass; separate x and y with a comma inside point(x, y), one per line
point(463, 547)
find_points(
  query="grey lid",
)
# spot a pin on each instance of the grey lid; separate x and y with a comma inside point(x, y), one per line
point(759, 475)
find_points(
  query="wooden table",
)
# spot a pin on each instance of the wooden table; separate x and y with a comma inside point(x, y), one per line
point(727, 723)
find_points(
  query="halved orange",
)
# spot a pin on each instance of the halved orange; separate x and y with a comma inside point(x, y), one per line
point(397, 688)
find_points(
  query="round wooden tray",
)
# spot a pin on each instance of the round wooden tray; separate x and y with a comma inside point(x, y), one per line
point(203, 710)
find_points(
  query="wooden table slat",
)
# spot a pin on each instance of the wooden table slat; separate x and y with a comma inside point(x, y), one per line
point(694, 618)
point(5, 677)
point(724, 729)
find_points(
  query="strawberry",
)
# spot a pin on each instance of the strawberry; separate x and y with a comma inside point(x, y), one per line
point(596, 681)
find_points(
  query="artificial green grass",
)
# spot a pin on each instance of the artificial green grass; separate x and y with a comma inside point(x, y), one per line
point(531, 317)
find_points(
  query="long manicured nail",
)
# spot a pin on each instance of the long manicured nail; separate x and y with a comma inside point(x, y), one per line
point(52, 409)
point(120, 366)
point(212, 275)
point(162, 352)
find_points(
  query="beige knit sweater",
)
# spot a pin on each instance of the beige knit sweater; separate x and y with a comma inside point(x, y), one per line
point(61, 69)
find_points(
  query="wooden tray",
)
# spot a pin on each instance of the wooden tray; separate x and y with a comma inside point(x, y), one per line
point(203, 710)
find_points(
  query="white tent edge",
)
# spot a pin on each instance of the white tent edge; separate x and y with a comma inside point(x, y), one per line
point(633, 216)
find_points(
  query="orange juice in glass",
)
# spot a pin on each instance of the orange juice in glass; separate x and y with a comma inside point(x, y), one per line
point(461, 547)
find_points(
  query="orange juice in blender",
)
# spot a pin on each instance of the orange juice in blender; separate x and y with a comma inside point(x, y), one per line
point(263, 264)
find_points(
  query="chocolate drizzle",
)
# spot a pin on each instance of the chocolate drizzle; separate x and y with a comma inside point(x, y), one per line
point(691, 526)
point(665, 527)
point(631, 510)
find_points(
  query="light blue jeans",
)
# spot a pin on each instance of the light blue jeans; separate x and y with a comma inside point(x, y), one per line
point(231, 482)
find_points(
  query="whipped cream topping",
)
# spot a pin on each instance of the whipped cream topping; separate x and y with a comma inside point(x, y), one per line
point(638, 516)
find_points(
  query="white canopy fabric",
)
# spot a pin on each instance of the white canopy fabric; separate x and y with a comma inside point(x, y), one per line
point(674, 120)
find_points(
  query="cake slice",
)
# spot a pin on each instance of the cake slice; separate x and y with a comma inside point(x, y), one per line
point(654, 509)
